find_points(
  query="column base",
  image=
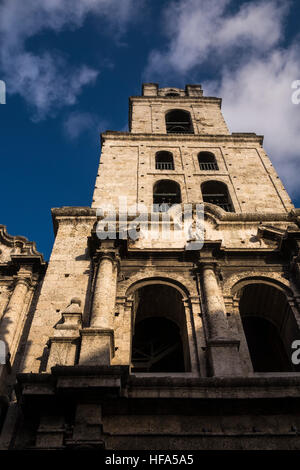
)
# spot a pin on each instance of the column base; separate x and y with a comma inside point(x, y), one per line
point(97, 346)
point(224, 357)
point(63, 351)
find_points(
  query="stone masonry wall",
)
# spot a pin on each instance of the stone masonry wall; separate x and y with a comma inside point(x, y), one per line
point(67, 277)
point(148, 115)
point(127, 168)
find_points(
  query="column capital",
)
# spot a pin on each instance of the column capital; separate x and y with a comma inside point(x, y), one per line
point(209, 264)
point(209, 252)
point(26, 281)
point(109, 254)
point(24, 275)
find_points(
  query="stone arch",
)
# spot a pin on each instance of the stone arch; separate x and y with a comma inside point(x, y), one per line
point(207, 161)
point(179, 121)
point(269, 322)
point(166, 193)
point(144, 281)
point(217, 192)
point(160, 340)
point(233, 284)
point(185, 287)
point(281, 284)
point(164, 160)
point(186, 290)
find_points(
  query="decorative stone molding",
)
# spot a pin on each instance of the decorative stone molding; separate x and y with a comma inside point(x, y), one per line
point(156, 276)
point(68, 215)
point(118, 135)
point(21, 250)
point(64, 344)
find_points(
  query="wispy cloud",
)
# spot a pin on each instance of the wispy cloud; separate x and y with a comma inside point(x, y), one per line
point(78, 123)
point(46, 80)
point(204, 30)
point(257, 98)
point(253, 71)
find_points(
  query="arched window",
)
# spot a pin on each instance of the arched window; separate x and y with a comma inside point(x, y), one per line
point(179, 121)
point(269, 327)
point(165, 194)
point(216, 192)
point(164, 161)
point(207, 161)
point(160, 340)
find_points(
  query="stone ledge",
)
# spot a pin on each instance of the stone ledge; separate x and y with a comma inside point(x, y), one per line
point(68, 212)
point(290, 379)
point(118, 135)
point(90, 213)
point(91, 378)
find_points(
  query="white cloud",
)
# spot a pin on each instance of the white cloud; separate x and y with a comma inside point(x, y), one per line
point(254, 72)
point(257, 98)
point(198, 30)
point(78, 123)
point(46, 81)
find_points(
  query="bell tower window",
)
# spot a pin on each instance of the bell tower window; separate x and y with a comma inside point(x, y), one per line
point(179, 121)
point(165, 194)
point(164, 161)
point(216, 192)
point(207, 161)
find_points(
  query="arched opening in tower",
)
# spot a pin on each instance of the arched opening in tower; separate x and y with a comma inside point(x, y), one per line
point(269, 326)
point(207, 161)
point(216, 192)
point(165, 194)
point(178, 121)
point(164, 161)
point(160, 340)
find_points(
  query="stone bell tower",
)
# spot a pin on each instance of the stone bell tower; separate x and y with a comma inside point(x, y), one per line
point(159, 338)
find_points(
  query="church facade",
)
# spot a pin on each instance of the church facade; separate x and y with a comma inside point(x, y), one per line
point(181, 336)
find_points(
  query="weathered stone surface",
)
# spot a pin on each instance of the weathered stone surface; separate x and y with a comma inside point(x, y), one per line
point(73, 337)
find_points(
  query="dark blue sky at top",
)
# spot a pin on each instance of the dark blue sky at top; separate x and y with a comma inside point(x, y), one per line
point(41, 167)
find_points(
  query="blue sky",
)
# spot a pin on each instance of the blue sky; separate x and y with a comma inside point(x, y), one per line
point(70, 66)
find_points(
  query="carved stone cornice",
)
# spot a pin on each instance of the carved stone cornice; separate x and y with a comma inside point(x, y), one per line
point(67, 215)
point(22, 250)
point(232, 138)
point(26, 281)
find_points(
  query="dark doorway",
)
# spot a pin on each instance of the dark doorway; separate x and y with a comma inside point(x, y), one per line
point(270, 327)
point(160, 340)
point(265, 345)
point(157, 346)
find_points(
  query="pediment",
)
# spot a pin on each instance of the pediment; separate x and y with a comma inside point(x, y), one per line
point(16, 246)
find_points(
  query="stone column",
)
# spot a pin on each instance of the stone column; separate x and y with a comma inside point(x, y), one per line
point(14, 314)
point(217, 322)
point(97, 344)
point(223, 346)
point(105, 293)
